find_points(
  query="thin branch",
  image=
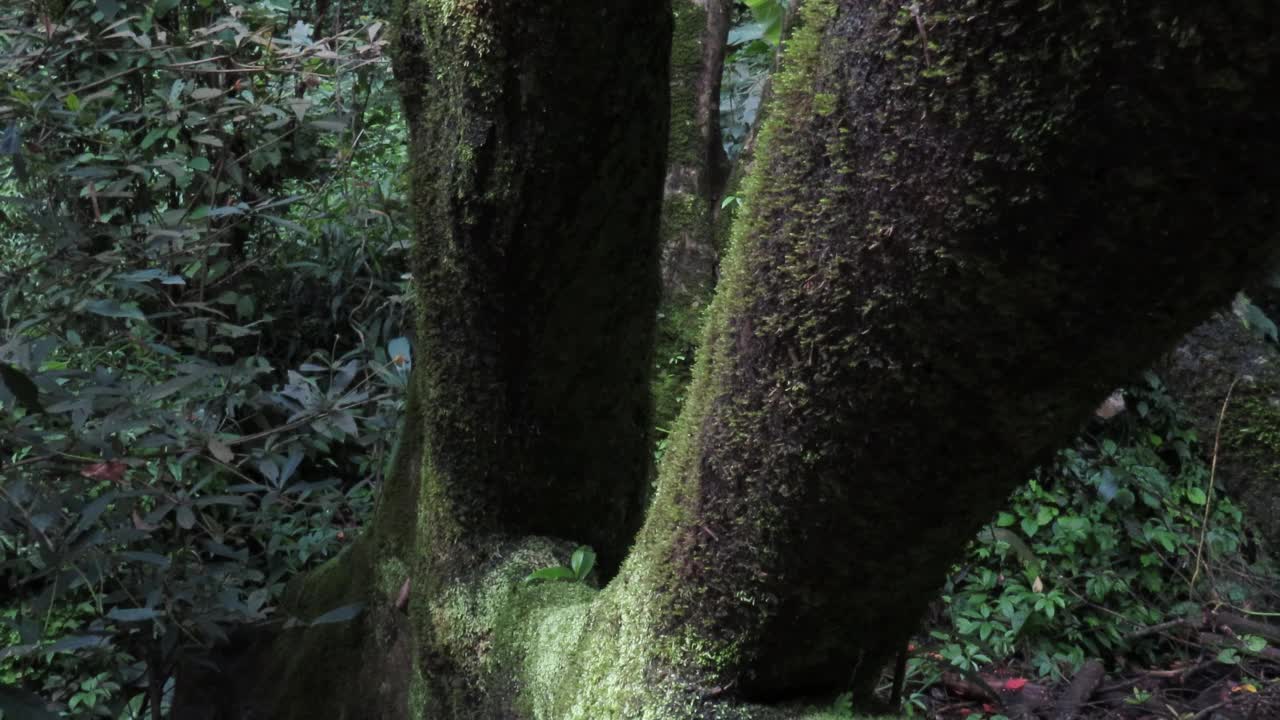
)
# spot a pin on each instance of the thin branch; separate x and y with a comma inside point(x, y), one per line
point(1208, 497)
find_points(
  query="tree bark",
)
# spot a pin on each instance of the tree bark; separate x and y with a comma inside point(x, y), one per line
point(1242, 430)
point(536, 171)
point(965, 224)
point(697, 166)
point(696, 170)
point(965, 227)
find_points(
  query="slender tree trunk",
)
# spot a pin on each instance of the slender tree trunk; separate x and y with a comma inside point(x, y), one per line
point(697, 166)
point(966, 222)
point(696, 170)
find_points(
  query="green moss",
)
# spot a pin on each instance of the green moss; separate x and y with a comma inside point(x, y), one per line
point(1250, 454)
point(305, 663)
point(685, 144)
point(824, 103)
point(679, 329)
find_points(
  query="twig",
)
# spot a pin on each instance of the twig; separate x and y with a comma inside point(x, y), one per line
point(302, 421)
point(1208, 496)
point(924, 35)
point(1154, 629)
point(1209, 710)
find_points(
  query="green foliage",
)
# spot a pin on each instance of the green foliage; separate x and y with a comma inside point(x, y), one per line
point(1254, 318)
point(1094, 549)
point(753, 44)
point(676, 344)
point(580, 565)
point(202, 320)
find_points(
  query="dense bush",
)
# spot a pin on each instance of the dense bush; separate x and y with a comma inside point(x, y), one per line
point(202, 326)
point(1121, 535)
point(204, 348)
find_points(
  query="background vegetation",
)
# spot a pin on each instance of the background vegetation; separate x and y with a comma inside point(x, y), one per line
point(204, 342)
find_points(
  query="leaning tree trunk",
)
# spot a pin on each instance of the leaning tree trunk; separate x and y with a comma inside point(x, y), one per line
point(966, 222)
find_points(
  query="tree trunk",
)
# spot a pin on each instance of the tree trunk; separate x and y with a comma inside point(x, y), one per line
point(1243, 429)
point(536, 170)
point(697, 166)
point(963, 227)
point(696, 171)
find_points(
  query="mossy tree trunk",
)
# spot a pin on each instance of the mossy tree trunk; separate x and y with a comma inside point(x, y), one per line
point(537, 138)
point(697, 166)
point(964, 225)
point(1229, 380)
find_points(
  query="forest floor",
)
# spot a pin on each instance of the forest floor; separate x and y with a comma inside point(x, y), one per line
point(1216, 685)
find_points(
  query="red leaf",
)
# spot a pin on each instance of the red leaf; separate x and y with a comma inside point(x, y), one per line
point(1014, 683)
point(113, 470)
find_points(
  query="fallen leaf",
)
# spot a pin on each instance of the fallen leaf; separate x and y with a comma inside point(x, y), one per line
point(112, 470)
point(221, 451)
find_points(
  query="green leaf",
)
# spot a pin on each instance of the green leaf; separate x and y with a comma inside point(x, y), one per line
point(770, 14)
point(400, 353)
point(205, 93)
point(73, 102)
point(341, 614)
point(199, 164)
point(584, 558)
point(132, 614)
point(109, 9)
point(163, 7)
point(91, 512)
point(745, 34)
point(1254, 318)
point(149, 558)
point(186, 518)
point(151, 137)
point(329, 125)
point(169, 387)
point(111, 308)
point(1196, 495)
point(19, 704)
point(552, 573)
point(1029, 527)
point(23, 389)
point(75, 642)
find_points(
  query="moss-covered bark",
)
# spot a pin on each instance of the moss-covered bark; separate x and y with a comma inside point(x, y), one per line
point(963, 228)
point(1216, 357)
point(538, 135)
